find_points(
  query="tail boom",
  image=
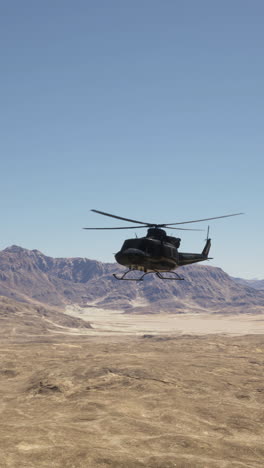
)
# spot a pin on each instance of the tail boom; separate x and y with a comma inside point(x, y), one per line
point(189, 258)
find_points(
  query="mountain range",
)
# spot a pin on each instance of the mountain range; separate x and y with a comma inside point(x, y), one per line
point(32, 277)
point(252, 283)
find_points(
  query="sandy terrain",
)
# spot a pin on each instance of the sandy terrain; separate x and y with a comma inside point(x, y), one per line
point(136, 391)
point(109, 322)
point(124, 402)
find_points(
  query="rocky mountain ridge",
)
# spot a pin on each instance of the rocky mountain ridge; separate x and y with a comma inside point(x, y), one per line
point(19, 320)
point(30, 276)
point(252, 283)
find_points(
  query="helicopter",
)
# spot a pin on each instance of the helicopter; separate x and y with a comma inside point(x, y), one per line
point(156, 252)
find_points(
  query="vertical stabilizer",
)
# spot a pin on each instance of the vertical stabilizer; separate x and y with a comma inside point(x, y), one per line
point(207, 246)
point(206, 249)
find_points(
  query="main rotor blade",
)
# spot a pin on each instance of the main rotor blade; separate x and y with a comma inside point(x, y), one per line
point(138, 227)
point(124, 219)
point(184, 229)
point(124, 227)
point(200, 220)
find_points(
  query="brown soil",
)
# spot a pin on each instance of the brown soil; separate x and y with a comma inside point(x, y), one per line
point(128, 401)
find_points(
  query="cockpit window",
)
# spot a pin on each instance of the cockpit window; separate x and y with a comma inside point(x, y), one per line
point(131, 244)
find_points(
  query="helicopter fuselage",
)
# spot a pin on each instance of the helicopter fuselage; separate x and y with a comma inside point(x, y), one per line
point(156, 252)
point(148, 254)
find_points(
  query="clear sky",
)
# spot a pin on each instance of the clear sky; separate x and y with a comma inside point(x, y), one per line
point(147, 109)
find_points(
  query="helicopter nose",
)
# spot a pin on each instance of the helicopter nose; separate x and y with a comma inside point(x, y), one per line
point(133, 255)
point(133, 252)
point(129, 256)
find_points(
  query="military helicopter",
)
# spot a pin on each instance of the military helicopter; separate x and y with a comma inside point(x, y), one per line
point(156, 252)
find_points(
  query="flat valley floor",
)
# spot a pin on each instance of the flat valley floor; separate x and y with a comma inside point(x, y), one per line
point(129, 398)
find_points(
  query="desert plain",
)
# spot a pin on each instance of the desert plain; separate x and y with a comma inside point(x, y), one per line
point(134, 391)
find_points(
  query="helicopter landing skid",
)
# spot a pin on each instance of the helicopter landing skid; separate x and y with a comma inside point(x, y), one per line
point(176, 277)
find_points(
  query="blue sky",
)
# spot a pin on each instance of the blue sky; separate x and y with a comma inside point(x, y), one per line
point(147, 109)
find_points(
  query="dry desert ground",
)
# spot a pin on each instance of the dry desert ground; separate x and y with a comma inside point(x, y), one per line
point(125, 398)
